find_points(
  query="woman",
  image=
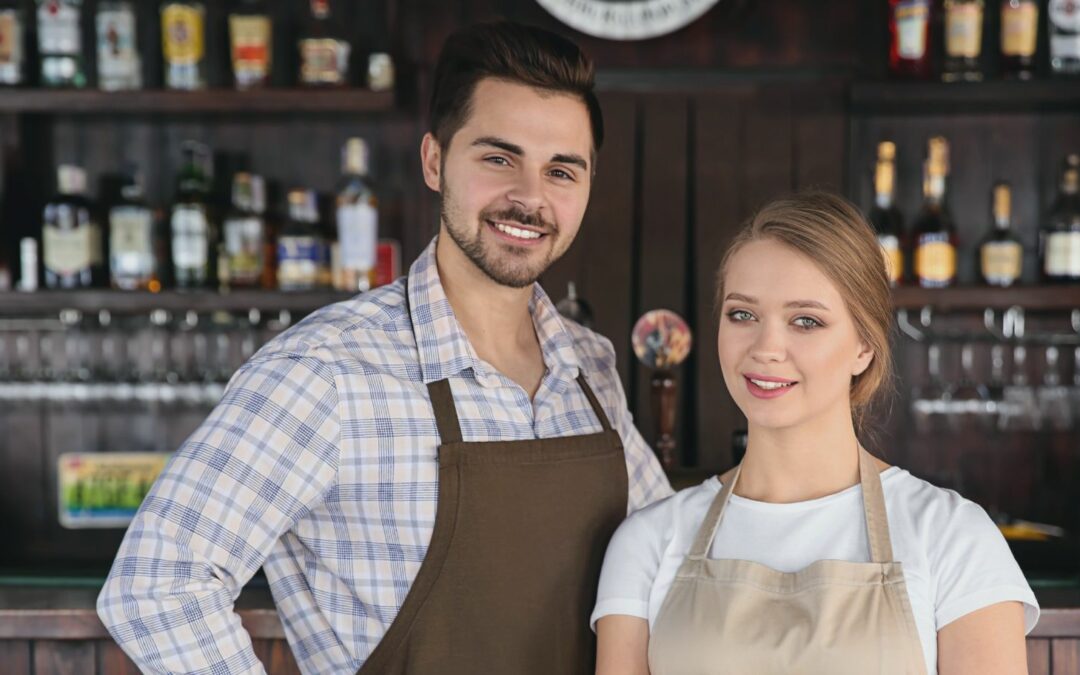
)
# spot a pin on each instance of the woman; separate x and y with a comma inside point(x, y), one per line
point(811, 556)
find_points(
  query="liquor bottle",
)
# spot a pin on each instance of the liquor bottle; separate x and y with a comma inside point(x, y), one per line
point(300, 246)
point(250, 44)
point(60, 43)
point(183, 31)
point(245, 231)
point(71, 238)
point(909, 43)
point(1064, 20)
point(1060, 237)
point(963, 40)
point(12, 49)
point(357, 218)
point(194, 240)
point(119, 66)
point(324, 52)
point(885, 217)
point(1019, 37)
point(934, 233)
point(133, 246)
point(1001, 255)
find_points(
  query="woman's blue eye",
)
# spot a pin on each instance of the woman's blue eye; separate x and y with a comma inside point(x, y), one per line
point(740, 315)
point(810, 322)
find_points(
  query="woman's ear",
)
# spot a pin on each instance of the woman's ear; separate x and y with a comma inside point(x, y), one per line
point(863, 360)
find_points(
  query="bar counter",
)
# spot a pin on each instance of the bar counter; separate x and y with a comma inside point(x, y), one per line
point(55, 629)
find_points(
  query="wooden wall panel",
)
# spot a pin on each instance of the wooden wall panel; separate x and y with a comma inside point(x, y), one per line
point(15, 655)
point(1038, 657)
point(64, 657)
point(1065, 656)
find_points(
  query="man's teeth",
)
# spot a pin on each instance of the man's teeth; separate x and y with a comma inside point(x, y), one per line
point(771, 385)
point(516, 232)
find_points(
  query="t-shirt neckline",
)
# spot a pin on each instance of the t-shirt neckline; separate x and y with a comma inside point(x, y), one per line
point(743, 502)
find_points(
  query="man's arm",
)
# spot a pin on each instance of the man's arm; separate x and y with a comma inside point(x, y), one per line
point(265, 455)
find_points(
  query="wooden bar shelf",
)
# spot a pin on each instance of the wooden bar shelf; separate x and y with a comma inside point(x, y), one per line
point(977, 298)
point(936, 98)
point(133, 302)
point(89, 101)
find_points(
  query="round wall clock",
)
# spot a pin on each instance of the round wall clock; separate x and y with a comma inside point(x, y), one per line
point(626, 19)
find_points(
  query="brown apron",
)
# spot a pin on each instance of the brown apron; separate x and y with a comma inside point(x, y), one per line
point(833, 616)
point(511, 572)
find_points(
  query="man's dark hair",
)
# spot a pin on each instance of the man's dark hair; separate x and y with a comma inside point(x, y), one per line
point(515, 53)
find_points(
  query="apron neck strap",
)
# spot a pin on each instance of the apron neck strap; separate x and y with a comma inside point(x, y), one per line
point(873, 498)
point(446, 419)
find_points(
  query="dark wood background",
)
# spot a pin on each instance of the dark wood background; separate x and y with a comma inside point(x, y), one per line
point(705, 125)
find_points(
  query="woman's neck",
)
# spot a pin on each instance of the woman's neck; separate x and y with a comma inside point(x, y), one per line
point(796, 464)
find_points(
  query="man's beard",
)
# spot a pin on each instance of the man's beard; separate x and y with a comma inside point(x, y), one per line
point(509, 265)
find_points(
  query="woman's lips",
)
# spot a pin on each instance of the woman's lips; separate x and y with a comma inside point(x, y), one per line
point(760, 392)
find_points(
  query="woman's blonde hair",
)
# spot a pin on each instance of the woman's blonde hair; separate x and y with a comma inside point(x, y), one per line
point(833, 233)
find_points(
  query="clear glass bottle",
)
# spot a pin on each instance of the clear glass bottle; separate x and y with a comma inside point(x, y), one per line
point(324, 50)
point(357, 218)
point(60, 49)
point(71, 237)
point(300, 245)
point(133, 246)
point(245, 231)
point(885, 217)
point(1060, 237)
point(183, 34)
point(963, 41)
point(12, 43)
point(1064, 25)
point(251, 43)
point(118, 63)
point(1001, 255)
point(1019, 38)
point(194, 240)
point(933, 233)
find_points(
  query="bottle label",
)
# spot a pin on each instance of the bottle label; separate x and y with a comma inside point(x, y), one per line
point(244, 248)
point(323, 61)
point(117, 56)
point(299, 259)
point(911, 27)
point(131, 242)
point(935, 261)
point(190, 236)
point(1062, 255)
point(1019, 28)
point(67, 251)
point(1065, 46)
point(894, 257)
point(11, 52)
point(182, 28)
point(963, 30)
point(1065, 14)
point(358, 232)
point(58, 29)
point(1002, 262)
point(250, 36)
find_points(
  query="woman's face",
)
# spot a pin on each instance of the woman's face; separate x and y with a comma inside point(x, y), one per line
point(788, 345)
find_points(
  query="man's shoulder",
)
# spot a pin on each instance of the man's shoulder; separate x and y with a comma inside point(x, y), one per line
point(588, 344)
point(367, 327)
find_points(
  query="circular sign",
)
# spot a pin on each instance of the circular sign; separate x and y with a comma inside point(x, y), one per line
point(661, 339)
point(626, 19)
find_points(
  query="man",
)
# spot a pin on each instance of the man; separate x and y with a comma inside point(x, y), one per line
point(428, 473)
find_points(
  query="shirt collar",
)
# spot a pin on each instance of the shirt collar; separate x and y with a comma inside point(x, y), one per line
point(444, 349)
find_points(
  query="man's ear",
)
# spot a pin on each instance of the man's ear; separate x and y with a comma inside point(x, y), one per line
point(431, 161)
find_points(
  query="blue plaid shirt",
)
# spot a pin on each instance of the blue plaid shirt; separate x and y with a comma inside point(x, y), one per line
point(319, 464)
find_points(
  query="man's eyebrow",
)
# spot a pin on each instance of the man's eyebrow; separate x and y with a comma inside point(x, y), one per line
point(501, 144)
point(514, 149)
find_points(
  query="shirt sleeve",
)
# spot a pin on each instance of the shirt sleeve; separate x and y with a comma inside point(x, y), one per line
point(630, 567)
point(263, 458)
point(973, 568)
point(647, 481)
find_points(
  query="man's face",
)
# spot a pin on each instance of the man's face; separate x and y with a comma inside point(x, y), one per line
point(514, 180)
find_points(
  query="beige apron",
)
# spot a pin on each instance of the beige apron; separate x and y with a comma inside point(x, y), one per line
point(832, 617)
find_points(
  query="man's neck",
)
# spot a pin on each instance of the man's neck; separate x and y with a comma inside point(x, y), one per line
point(495, 318)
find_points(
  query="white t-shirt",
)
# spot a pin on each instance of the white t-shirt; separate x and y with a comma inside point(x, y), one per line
point(955, 560)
